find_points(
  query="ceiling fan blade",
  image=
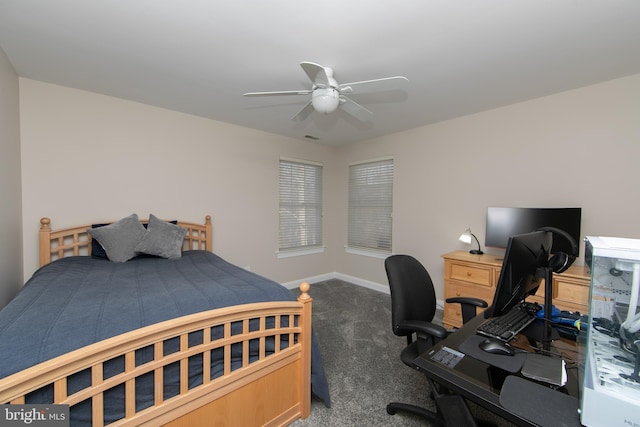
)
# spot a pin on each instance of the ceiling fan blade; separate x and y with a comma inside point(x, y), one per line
point(304, 113)
point(316, 73)
point(377, 85)
point(280, 93)
point(355, 109)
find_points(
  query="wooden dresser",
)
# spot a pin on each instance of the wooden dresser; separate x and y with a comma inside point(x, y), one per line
point(471, 275)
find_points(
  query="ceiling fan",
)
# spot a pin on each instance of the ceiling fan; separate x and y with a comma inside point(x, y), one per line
point(327, 95)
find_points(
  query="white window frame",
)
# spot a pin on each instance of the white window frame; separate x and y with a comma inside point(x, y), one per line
point(376, 172)
point(300, 207)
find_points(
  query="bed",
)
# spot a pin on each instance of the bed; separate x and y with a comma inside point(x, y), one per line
point(183, 339)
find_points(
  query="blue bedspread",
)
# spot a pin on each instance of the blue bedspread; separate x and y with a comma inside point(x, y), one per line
point(77, 301)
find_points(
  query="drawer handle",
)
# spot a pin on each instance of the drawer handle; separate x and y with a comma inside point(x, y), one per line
point(458, 294)
point(468, 274)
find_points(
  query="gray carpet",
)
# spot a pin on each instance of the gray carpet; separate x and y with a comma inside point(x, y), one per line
point(361, 357)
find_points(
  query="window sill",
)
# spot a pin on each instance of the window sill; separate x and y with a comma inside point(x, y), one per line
point(300, 252)
point(367, 252)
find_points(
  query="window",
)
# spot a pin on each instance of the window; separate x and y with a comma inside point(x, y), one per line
point(370, 206)
point(300, 207)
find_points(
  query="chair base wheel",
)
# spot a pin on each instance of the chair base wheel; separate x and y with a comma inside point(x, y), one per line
point(394, 407)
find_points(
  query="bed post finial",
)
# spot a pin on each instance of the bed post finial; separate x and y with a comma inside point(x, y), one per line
point(304, 291)
point(44, 223)
point(207, 219)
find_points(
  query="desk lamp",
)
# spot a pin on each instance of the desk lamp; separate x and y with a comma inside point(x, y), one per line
point(466, 238)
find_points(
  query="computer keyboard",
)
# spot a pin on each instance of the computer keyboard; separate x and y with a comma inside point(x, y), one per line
point(510, 324)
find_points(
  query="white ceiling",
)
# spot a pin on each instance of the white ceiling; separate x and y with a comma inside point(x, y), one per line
point(200, 56)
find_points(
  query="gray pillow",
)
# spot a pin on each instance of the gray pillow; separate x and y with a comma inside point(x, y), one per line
point(162, 239)
point(120, 239)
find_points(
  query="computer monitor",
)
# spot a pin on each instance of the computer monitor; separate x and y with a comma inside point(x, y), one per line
point(503, 223)
point(526, 255)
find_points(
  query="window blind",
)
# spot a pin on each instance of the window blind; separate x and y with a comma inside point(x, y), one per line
point(300, 205)
point(370, 205)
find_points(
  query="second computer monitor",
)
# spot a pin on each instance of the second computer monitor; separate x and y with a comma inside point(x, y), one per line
point(526, 254)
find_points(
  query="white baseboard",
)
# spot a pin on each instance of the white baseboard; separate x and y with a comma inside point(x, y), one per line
point(351, 279)
point(296, 283)
point(364, 283)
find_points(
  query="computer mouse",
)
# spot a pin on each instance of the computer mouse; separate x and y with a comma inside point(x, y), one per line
point(496, 347)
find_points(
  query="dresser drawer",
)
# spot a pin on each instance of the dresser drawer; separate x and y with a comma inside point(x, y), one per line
point(478, 275)
point(568, 294)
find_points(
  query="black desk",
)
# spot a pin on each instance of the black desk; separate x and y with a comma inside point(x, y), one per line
point(482, 383)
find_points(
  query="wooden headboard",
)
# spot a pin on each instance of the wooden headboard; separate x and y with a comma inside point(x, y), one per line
point(74, 241)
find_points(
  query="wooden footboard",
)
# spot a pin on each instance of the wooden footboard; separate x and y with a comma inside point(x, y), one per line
point(272, 388)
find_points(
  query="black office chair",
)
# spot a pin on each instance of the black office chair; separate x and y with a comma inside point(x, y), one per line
point(413, 306)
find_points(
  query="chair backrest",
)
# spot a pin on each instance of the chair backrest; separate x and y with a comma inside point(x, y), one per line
point(412, 294)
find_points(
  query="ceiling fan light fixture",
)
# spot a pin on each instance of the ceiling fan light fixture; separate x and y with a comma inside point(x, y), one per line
point(325, 100)
point(327, 95)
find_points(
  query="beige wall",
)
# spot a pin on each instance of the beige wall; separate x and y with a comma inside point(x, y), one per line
point(91, 157)
point(10, 187)
point(574, 149)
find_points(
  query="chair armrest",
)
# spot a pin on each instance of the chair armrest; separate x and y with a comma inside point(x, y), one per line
point(428, 328)
point(468, 306)
point(476, 302)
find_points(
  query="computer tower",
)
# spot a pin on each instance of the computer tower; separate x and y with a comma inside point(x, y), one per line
point(611, 386)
